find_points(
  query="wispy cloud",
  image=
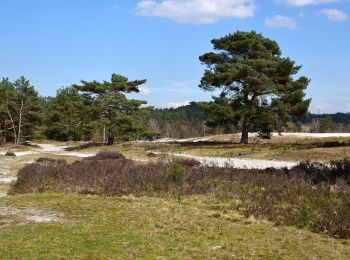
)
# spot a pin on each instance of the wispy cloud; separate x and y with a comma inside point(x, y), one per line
point(189, 86)
point(334, 15)
point(320, 106)
point(305, 2)
point(197, 11)
point(280, 21)
point(145, 91)
point(177, 104)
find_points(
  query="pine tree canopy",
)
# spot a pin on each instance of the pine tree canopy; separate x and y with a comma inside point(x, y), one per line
point(255, 80)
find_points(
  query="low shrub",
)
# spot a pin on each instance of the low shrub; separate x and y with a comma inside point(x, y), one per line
point(45, 160)
point(310, 195)
point(11, 154)
point(106, 156)
point(186, 162)
point(178, 173)
point(329, 173)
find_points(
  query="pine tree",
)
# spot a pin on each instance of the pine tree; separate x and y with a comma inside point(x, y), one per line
point(255, 81)
point(113, 109)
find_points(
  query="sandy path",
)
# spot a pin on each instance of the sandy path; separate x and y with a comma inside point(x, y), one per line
point(234, 162)
point(8, 164)
point(61, 150)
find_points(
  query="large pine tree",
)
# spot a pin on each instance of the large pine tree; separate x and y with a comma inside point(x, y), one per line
point(256, 82)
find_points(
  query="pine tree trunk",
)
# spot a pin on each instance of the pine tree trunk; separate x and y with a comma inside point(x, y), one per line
point(20, 123)
point(245, 131)
point(12, 124)
point(111, 140)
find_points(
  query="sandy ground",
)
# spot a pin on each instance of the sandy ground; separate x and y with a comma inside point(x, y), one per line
point(234, 162)
point(275, 135)
point(8, 164)
point(314, 135)
point(61, 150)
point(10, 215)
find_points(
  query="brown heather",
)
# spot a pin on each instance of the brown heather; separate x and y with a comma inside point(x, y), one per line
point(311, 195)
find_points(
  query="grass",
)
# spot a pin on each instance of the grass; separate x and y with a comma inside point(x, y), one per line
point(197, 227)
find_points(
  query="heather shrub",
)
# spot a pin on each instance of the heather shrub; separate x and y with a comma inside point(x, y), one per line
point(11, 154)
point(329, 173)
point(45, 160)
point(311, 195)
point(186, 162)
point(177, 173)
point(106, 156)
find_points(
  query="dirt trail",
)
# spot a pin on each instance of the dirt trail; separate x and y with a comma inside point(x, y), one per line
point(9, 165)
point(234, 162)
point(61, 150)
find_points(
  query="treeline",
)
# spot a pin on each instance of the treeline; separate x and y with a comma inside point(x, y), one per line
point(338, 122)
point(193, 121)
point(21, 111)
point(182, 122)
point(101, 111)
point(98, 111)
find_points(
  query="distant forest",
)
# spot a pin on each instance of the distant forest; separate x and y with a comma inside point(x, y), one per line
point(191, 120)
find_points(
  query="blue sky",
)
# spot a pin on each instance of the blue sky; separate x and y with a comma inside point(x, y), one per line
point(57, 43)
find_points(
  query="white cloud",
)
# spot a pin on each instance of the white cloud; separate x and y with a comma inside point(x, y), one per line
point(334, 15)
point(305, 2)
point(177, 104)
point(145, 91)
point(197, 11)
point(279, 21)
point(320, 106)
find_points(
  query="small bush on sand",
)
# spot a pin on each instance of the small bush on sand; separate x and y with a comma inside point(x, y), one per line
point(11, 154)
point(106, 156)
point(45, 160)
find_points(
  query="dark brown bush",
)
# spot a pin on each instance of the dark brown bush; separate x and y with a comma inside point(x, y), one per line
point(45, 160)
point(10, 154)
point(304, 196)
point(186, 162)
point(106, 156)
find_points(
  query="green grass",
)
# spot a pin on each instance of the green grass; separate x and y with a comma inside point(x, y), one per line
point(196, 227)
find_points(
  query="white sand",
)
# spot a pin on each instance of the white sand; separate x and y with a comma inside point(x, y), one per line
point(236, 163)
point(60, 150)
point(8, 179)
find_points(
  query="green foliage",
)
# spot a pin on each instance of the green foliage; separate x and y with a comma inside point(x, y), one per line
point(327, 125)
point(111, 108)
point(181, 122)
point(20, 110)
point(69, 116)
point(256, 83)
point(178, 173)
